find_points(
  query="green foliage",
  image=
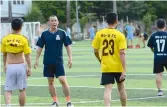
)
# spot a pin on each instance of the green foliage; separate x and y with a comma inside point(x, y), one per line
point(147, 20)
point(85, 19)
point(49, 8)
point(34, 15)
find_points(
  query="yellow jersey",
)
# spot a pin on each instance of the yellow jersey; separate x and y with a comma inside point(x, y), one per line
point(109, 42)
point(15, 43)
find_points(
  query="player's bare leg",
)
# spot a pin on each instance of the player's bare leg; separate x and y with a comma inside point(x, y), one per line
point(131, 43)
point(107, 95)
point(52, 90)
point(159, 83)
point(66, 90)
point(22, 97)
point(122, 93)
point(65, 86)
point(8, 95)
point(128, 43)
point(144, 44)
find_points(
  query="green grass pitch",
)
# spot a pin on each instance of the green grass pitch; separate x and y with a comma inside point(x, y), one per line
point(84, 80)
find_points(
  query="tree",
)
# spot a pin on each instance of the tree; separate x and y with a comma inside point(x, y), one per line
point(147, 20)
point(35, 15)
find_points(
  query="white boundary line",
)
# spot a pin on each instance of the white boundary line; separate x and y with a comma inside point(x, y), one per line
point(36, 78)
point(97, 101)
point(97, 87)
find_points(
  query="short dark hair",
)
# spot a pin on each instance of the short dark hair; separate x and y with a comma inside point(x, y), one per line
point(17, 24)
point(111, 18)
point(161, 23)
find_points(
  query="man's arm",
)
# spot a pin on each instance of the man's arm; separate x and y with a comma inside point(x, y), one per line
point(96, 53)
point(123, 59)
point(152, 49)
point(4, 60)
point(28, 60)
point(39, 51)
point(68, 48)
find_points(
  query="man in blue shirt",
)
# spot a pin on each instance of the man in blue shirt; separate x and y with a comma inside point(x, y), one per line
point(91, 33)
point(130, 34)
point(53, 40)
point(158, 45)
point(68, 31)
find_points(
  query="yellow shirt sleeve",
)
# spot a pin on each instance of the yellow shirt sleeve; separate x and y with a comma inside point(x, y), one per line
point(3, 47)
point(96, 42)
point(27, 49)
point(122, 42)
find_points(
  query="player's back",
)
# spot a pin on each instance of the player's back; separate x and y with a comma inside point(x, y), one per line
point(14, 43)
point(111, 41)
point(158, 41)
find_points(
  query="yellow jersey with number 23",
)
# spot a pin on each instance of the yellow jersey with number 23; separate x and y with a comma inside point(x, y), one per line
point(110, 41)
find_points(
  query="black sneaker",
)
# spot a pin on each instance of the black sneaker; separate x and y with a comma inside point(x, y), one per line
point(55, 104)
point(69, 104)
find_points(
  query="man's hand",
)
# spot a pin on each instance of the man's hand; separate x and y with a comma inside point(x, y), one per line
point(28, 72)
point(123, 76)
point(69, 63)
point(36, 64)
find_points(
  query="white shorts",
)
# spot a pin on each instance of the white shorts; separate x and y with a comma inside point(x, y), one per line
point(15, 77)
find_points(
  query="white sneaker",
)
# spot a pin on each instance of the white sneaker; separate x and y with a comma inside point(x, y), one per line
point(160, 93)
point(69, 104)
point(8, 105)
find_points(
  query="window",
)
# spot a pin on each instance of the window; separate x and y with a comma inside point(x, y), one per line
point(18, 1)
point(14, 1)
point(22, 2)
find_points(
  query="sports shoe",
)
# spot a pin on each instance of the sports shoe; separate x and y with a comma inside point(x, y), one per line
point(55, 104)
point(8, 105)
point(160, 93)
point(69, 104)
point(137, 46)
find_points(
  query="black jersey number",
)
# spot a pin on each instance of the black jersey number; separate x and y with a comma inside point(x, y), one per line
point(106, 44)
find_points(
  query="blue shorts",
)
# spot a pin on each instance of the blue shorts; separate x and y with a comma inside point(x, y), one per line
point(54, 70)
point(91, 37)
point(130, 36)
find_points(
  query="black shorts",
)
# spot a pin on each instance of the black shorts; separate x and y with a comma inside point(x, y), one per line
point(54, 70)
point(158, 67)
point(110, 78)
point(145, 36)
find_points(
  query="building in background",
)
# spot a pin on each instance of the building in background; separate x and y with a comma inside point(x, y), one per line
point(19, 9)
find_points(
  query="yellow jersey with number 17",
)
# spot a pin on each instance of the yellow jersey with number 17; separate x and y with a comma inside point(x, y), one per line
point(15, 43)
point(109, 42)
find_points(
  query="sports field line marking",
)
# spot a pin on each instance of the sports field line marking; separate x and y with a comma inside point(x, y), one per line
point(36, 78)
point(102, 87)
point(97, 87)
point(96, 101)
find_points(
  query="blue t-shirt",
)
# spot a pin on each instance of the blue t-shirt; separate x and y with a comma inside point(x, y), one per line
point(53, 43)
point(130, 29)
point(92, 32)
point(158, 41)
point(68, 32)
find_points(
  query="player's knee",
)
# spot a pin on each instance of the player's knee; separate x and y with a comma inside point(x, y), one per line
point(121, 88)
point(51, 83)
point(63, 81)
point(23, 90)
point(159, 74)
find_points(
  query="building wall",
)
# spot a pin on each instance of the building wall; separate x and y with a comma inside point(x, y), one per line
point(19, 9)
